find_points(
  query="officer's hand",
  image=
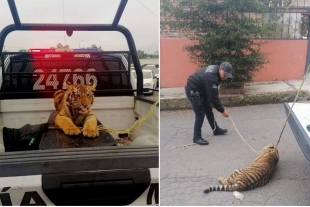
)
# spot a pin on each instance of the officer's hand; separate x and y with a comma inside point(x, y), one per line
point(225, 113)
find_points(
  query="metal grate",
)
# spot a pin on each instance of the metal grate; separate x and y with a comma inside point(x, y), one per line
point(47, 72)
point(293, 20)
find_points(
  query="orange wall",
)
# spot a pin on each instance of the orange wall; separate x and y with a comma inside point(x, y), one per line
point(287, 59)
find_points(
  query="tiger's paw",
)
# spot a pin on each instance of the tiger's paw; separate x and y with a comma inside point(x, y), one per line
point(90, 132)
point(74, 130)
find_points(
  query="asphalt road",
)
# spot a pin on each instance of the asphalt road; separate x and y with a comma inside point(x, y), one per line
point(185, 173)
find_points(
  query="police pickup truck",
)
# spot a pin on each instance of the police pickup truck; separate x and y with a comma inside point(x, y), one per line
point(63, 170)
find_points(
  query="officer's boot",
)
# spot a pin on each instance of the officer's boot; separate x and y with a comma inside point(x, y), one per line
point(219, 131)
point(200, 141)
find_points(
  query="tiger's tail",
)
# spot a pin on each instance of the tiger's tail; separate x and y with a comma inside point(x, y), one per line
point(220, 188)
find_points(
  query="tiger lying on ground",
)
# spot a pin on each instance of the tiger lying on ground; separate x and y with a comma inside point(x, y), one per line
point(74, 109)
point(248, 178)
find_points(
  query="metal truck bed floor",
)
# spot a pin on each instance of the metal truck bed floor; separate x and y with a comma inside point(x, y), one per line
point(298, 120)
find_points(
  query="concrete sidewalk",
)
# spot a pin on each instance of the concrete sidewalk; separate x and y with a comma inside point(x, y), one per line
point(255, 93)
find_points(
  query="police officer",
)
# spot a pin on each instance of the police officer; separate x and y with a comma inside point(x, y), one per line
point(202, 91)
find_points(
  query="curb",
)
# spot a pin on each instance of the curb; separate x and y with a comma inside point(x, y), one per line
point(179, 103)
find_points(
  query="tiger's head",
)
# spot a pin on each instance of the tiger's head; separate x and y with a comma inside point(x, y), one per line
point(270, 154)
point(80, 96)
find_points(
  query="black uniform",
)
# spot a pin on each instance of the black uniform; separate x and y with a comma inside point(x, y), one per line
point(202, 91)
point(205, 81)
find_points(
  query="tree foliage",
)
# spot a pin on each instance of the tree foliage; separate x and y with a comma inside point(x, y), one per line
point(60, 46)
point(141, 54)
point(94, 46)
point(227, 30)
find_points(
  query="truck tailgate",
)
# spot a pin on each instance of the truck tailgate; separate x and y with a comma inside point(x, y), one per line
point(96, 176)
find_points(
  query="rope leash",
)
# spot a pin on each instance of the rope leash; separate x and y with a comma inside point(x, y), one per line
point(296, 97)
point(136, 125)
point(295, 100)
point(242, 136)
point(185, 146)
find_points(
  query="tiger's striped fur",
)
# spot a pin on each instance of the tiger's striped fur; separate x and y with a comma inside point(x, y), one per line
point(251, 177)
point(74, 109)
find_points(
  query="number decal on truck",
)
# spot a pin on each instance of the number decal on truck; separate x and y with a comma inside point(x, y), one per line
point(52, 80)
point(37, 85)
